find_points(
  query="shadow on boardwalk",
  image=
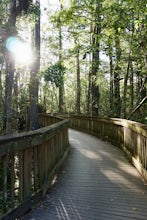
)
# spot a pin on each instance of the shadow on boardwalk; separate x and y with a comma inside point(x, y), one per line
point(96, 182)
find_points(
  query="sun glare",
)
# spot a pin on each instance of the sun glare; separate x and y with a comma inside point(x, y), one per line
point(21, 51)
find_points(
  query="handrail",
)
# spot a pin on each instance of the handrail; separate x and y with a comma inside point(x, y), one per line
point(129, 135)
point(29, 160)
point(28, 164)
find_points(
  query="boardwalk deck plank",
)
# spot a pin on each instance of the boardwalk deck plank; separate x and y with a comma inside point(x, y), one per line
point(96, 183)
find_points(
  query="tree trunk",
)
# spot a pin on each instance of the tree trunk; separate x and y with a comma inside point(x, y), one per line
point(61, 86)
point(1, 101)
point(117, 101)
point(123, 113)
point(89, 92)
point(10, 68)
point(8, 94)
point(89, 80)
point(131, 88)
point(111, 79)
point(96, 59)
point(15, 100)
point(78, 104)
point(141, 88)
point(1, 97)
point(34, 81)
point(137, 107)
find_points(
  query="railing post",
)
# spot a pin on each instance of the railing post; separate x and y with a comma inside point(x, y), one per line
point(128, 135)
point(5, 182)
point(28, 163)
point(12, 160)
point(27, 183)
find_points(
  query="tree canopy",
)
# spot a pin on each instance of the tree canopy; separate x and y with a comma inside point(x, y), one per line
point(89, 57)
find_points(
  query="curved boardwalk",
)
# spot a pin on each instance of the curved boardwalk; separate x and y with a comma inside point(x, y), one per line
point(96, 182)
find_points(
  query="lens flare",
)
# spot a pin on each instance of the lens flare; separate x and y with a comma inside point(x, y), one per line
point(11, 43)
point(21, 51)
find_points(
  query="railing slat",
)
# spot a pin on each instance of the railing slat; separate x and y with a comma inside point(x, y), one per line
point(28, 163)
point(12, 160)
point(130, 136)
point(5, 182)
point(20, 175)
point(27, 177)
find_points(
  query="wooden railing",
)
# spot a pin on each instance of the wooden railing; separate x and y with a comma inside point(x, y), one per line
point(28, 164)
point(130, 136)
point(30, 160)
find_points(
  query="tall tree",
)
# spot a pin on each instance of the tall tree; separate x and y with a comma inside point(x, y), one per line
point(96, 37)
point(61, 86)
point(110, 54)
point(10, 67)
point(78, 93)
point(34, 78)
point(14, 9)
point(117, 71)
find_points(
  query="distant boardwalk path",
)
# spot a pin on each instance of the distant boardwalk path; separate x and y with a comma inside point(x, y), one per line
point(96, 183)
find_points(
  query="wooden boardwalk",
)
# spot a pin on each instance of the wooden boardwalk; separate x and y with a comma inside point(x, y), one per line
point(96, 183)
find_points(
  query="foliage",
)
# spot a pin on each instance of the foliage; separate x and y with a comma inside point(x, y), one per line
point(34, 11)
point(123, 41)
point(54, 74)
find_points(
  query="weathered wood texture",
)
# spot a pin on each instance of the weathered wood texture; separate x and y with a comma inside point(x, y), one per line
point(28, 163)
point(95, 183)
point(130, 136)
